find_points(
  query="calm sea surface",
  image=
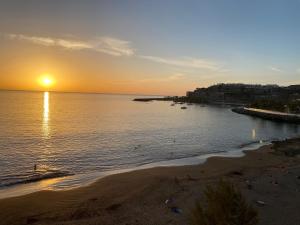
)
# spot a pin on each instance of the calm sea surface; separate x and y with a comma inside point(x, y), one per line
point(83, 134)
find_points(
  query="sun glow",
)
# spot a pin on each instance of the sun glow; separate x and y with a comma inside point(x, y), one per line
point(46, 80)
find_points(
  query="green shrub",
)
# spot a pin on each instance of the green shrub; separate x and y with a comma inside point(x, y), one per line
point(225, 205)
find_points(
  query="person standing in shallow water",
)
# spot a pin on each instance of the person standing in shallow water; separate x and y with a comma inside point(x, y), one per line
point(34, 167)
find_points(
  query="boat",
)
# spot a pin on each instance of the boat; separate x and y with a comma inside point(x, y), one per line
point(183, 107)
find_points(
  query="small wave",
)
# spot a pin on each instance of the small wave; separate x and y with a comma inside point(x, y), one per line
point(247, 144)
point(34, 177)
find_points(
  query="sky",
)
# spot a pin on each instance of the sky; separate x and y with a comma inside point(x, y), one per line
point(148, 47)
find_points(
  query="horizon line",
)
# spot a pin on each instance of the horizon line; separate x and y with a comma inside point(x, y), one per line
point(86, 92)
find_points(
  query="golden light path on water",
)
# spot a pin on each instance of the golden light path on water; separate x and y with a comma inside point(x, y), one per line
point(46, 130)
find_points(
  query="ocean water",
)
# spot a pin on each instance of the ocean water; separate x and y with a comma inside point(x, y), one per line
point(74, 138)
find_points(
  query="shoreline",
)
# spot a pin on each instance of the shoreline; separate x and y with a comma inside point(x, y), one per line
point(138, 197)
point(72, 182)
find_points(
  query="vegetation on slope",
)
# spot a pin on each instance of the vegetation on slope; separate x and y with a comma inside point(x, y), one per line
point(224, 205)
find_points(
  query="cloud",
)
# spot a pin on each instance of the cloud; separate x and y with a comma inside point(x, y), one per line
point(276, 69)
point(116, 47)
point(36, 40)
point(107, 45)
point(174, 77)
point(188, 62)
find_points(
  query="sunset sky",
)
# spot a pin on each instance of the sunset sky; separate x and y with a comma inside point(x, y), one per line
point(148, 47)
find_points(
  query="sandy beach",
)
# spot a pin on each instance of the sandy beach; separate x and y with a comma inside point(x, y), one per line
point(268, 177)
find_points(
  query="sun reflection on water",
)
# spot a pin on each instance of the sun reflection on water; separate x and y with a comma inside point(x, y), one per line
point(253, 134)
point(46, 130)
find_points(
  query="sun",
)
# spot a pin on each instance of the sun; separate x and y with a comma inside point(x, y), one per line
point(46, 80)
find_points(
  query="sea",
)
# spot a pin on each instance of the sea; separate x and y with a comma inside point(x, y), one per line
point(59, 141)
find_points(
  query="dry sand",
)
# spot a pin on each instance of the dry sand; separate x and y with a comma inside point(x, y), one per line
point(139, 197)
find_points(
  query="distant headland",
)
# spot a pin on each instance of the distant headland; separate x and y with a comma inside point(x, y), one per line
point(275, 98)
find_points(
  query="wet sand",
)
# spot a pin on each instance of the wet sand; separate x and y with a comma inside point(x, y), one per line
point(269, 174)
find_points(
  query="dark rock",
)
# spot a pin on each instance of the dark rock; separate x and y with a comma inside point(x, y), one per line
point(31, 220)
point(237, 173)
point(113, 207)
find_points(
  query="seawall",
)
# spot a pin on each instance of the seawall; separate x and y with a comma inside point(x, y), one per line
point(269, 115)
